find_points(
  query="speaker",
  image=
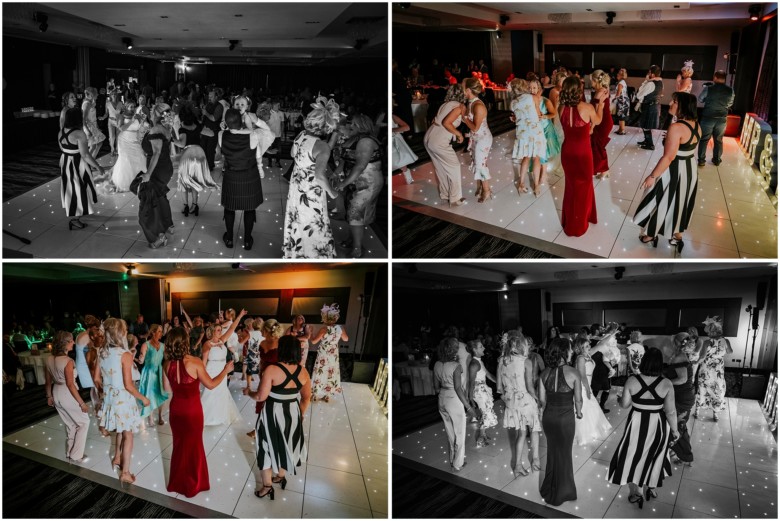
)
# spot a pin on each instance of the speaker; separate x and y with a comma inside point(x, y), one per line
point(753, 387)
point(547, 301)
point(539, 45)
point(754, 325)
point(368, 283)
point(761, 295)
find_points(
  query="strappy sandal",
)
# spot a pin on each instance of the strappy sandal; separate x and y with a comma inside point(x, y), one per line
point(536, 465)
point(646, 239)
point(636, 498)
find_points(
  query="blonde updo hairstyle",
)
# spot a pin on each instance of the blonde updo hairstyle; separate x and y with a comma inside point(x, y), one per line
point(518, 87)
point(516, 344)
point(323, 118)
point(116, 332)
point(472, 84)
point(559, 77)
point(571, 92)
point(599, 79)
point(272, 328)
point(258, 324)
point(455, 93)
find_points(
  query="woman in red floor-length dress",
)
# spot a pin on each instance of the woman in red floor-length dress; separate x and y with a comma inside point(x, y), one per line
point(189, 469)
point(577, 118)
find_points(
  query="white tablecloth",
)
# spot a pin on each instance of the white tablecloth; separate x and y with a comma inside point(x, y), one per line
point(38, 362)
point(420, 115)
point(421, 377)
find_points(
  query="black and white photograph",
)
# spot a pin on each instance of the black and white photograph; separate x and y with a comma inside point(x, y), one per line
point(558, 390)
point(195, 130)
point(209, 390)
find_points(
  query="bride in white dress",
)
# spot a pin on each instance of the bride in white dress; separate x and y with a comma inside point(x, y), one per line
point(219, 408)
point(593, 425)
point(130, 156)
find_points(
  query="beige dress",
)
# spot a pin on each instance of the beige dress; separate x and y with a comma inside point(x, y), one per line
point(76, 421)
point(445, 160)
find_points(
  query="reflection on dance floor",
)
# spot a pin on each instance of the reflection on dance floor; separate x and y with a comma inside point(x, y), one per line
point(114, 232)
point(345, 475)
point(734, 217)
point(734, 473)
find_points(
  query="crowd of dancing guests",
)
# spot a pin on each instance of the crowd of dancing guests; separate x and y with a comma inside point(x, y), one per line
point(135, 371)
point(553, 388)
point(556, 126)
point(338, 151)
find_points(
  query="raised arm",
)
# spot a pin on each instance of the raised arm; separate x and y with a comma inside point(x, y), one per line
point(233, 326)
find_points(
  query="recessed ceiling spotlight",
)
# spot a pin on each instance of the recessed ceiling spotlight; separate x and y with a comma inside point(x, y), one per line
point(755, 11)
point(238, 15)
point(127, 42)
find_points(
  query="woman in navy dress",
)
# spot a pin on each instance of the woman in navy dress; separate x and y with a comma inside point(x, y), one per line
point(154, 209)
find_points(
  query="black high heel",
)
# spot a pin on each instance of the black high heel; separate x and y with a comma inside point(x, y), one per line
point(633, 498)
point(678, 244)
point(269, 493)
point(228, 241)
point(186, 211)
point(646, 239)
point(650, 494)
point(196, 210)
point(248, 242)
point(76, 223)
point(282, 481)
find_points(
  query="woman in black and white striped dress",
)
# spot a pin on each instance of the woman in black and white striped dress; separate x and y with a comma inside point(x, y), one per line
point(667, 206)
point(642, 456)
point(286, 389)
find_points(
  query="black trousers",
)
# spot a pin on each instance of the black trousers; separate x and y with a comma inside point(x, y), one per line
point(250, 216)
point(209, 145)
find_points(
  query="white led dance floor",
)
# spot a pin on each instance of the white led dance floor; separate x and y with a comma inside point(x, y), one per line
point(345, 475)
point(113, 231)
point(734, 473)
point(734, 217)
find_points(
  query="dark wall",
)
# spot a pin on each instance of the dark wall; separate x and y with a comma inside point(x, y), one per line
point(29, 67)
point(32, 302)
point(149, 70)
point(371, 78)
point(413, 309)
point(522, 52)
point(447, 47)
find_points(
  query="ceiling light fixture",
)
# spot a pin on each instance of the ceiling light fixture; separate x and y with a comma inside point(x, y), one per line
point(755, 12)
point(498, 35)
point(43, 20)
point(127, 42)
point(233, 44)
point(503, 19)
point(619, 271)
point(611, 17)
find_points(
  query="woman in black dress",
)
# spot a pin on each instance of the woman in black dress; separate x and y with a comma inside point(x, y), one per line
point(559, 386)
point(680, 371)
point(241, 186)
point(154, 210)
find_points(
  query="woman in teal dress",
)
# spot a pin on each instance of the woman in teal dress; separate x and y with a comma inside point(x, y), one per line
point(547, 116)
point(151, 384)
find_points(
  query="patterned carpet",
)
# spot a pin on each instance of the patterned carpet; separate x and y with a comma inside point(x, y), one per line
point(419, 236)
point(34, 490)
point(28, 169)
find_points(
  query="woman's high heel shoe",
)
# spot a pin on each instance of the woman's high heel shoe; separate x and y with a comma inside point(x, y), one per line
point(186, 211)
point(678, 244)
point(269, 493)
point(646, 239)
point(636, 498)
point(460, 202)
point(76, 223)
point(478, 191)
point(282, 481)
point(650, 494)
point(126, 477)
point(485, 196)
point(195, 209)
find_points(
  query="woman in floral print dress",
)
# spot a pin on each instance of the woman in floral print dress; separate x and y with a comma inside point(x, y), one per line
point(711, 393)
point(307, 233)
point(326, 379)
point(481, 139)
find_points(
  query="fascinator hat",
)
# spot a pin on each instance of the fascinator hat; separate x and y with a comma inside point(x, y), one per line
point(324, 116)
point(713, 326)
point(688, 66)
point(330, 313)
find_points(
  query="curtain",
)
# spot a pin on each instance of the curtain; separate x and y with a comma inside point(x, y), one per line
point(765, 100)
